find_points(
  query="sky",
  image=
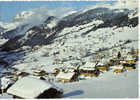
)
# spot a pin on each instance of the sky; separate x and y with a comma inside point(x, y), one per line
point(9, 9)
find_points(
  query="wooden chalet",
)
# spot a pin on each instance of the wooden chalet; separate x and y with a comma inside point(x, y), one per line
point(33, 88)
point(128, 66)
point(103, 65)
point(136, 51)
point(118, 69)
point(40, 73)
point(22, 74)
point(89, 69)
point(130, 59)
point(128, 63)
point(67, 77)
point(56, 71)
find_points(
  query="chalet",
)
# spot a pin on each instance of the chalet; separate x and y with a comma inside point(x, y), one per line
point(103, 65)
point(40, 73)
point(31, 88)
point(22, 74)
point(69, 69)
point(122, 62)
point(128, 66)
point(56, 72)
point(136, 52)
point(67, 77)
point(130, 59)
point(89, 70)
point(118, 69)
point(114, 61)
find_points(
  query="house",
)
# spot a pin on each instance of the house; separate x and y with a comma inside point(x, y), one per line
point(118, 69)
point(66, 77)
point(123, 62)
point(21, 74)
point(69, 69)
point(40, 73)
point(114, 61)
point(128, 66)
point(130, 59)
point(103, 65)
point(136, 51)
point(56, 71)
point(30, 88)
point(89, 70)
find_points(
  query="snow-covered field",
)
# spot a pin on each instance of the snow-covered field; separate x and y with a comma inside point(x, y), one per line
point(108, 85)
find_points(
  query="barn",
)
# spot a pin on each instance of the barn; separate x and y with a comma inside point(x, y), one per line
point(30, 88)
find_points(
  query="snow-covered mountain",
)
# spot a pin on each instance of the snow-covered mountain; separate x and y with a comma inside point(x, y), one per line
point(50, 29)
point(23, 15)
point(45, 33)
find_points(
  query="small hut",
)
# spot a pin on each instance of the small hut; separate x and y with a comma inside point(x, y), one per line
point(66, 77)
point(31, 87)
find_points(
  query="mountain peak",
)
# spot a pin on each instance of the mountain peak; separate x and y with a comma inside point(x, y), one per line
point(23, 15)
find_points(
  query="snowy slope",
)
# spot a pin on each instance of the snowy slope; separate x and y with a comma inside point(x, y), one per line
point(107, 85)
point(67, 40)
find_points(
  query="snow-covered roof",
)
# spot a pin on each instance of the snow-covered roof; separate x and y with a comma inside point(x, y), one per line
point(103, 61)
point(117, 67)
point(123, 61)
point(63, 75)
point(29, 87)
point(129, 57)
point(88, 66)
point(69, 70)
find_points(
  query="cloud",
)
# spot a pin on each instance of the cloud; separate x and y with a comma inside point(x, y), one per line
point(129, 4)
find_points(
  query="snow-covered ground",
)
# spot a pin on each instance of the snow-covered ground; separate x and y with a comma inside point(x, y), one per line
point(107, 85)
point(107, 38)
